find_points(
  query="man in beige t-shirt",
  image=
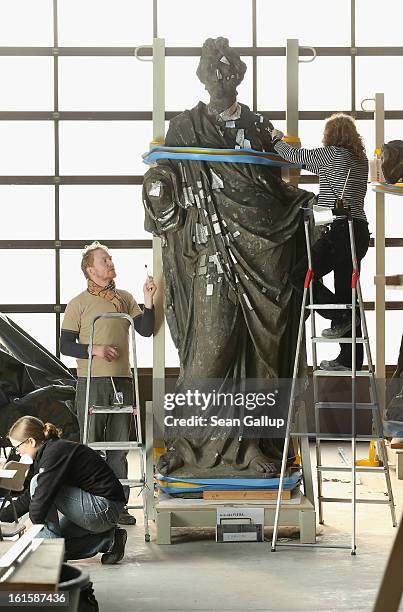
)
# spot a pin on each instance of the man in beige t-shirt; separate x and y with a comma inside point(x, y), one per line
point(110, 364)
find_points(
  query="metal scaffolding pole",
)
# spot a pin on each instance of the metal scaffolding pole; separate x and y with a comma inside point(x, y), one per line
point(380, 256)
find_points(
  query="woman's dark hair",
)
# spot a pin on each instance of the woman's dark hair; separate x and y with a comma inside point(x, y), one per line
point(340, 131)
point(31, 427)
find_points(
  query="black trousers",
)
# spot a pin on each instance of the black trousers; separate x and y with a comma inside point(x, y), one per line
point(330, 253)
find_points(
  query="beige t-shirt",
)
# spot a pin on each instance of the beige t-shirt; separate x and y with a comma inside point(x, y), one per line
point(115, 332)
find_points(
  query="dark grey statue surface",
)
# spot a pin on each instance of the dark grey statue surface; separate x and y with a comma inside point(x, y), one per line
point(392, 161)
point(230, 233)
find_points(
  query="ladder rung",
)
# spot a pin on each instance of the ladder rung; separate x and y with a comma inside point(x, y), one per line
point(344, 373)
point(345, 405)
point(132, 482)
point(338, 340)
point(111, 410)
point(329, 307)
point(324, 468)
point(335, 438)
point(343, 500)
point(115, 445)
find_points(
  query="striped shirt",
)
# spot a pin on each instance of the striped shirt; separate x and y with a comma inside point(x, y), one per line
point(332, 165)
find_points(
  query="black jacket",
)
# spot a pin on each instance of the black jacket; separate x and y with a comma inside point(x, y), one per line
point(61, 462)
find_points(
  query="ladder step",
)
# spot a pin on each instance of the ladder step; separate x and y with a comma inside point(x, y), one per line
point(335, 438)
point(324, 468)
point(345, 406)
point(112, 409)
point(132, 482)
point(343, 500)
point(345, 373)
point(115, 445)
point(328, 307)
point(338, 340)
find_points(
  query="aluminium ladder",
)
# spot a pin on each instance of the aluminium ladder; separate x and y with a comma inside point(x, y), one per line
point(118, 409)
point(354, 406)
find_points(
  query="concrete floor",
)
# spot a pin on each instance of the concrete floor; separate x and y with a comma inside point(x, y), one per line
point(196, 574)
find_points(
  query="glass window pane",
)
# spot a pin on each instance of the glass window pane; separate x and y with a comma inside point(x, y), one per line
point(104, 147)
point(105, 84)
point(171, 353)
point(378, 24)
point(104, 211)
point(393, 322)
point(189, 24)
point(27, 83)
point(393, 214)
point(41, 326)
point(379, 74)
point(129, 265)
point(366, 128)
point(181, 98)
point(26, 147)
point(31, 278)
point(393, 219)
point(144, 348)
point(271, 83)
point(100, 23)
point(308, 21)
point(393, 257)
point(16, 23)
point(393, 129)
point(311, 132)
point(334, 76)
point(30, 212)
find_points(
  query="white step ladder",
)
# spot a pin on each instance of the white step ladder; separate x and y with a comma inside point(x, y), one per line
point(354, 406)
point(119, 409)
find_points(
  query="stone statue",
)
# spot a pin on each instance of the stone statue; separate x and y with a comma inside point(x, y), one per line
point(230, 235)
point(392, 161)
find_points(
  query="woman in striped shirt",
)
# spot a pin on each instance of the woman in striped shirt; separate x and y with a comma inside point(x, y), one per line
point(343, 151)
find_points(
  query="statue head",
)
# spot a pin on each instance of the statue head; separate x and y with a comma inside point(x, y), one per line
point(221, 70)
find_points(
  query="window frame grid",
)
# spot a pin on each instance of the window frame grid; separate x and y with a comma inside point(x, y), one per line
point(56, 116)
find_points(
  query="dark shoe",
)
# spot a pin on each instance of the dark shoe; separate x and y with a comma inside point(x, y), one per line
point(117, 551)
point(340, 328)
point(333, 366)
point(126, 519)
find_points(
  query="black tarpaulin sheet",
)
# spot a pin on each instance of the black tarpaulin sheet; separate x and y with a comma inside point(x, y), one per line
point(33, 382)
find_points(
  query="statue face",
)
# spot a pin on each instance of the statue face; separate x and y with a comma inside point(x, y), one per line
point(221, 81)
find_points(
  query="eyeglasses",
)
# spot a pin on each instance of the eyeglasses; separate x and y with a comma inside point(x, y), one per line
point(15, 448)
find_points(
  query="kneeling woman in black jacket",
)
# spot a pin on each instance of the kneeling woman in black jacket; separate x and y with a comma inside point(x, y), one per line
point(73, 492)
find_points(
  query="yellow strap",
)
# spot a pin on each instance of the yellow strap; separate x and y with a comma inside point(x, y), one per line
point(291, 139)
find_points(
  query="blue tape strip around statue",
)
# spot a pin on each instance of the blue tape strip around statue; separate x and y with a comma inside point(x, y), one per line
point(388, 188)
point(234, 156)
point(195, 485)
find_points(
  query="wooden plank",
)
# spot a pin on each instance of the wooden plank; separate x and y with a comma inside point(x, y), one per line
point(40, 571)
point(391, 589)
point(394, 280)
point(245, 494)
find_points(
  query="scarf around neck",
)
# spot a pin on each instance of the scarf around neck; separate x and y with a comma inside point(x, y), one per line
point(108, 293)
